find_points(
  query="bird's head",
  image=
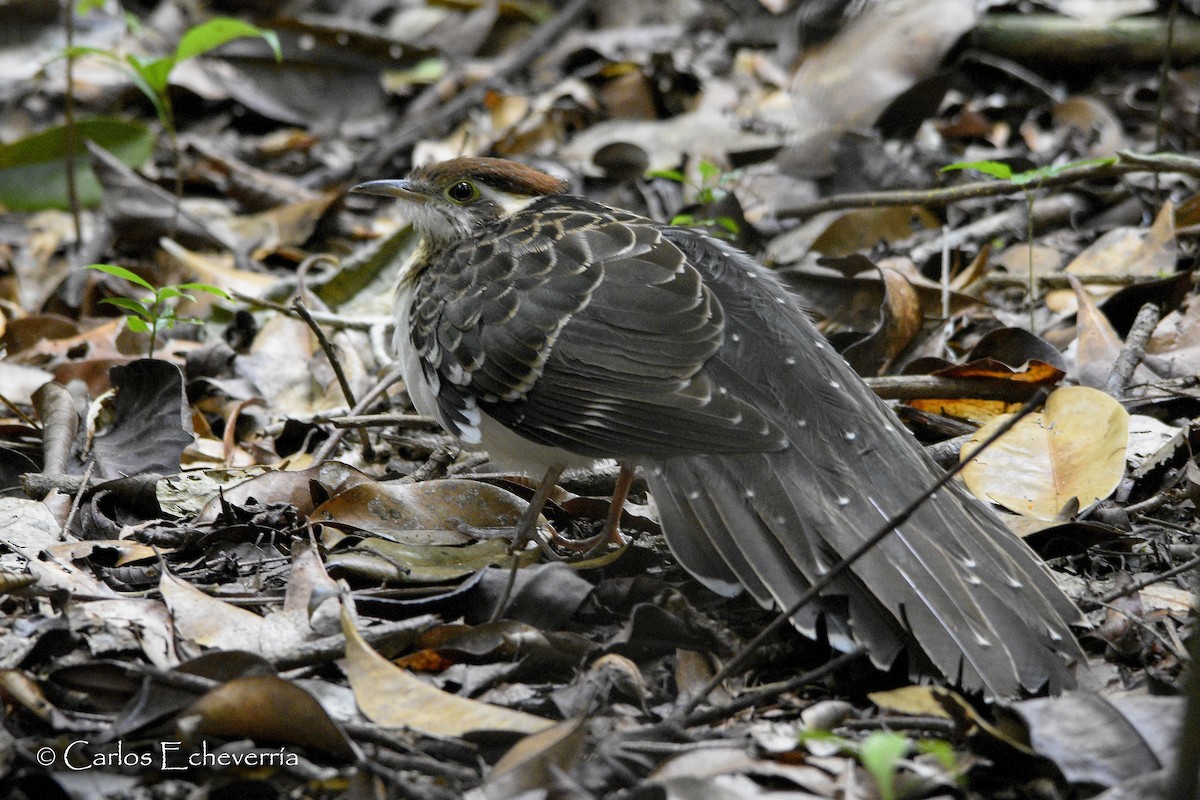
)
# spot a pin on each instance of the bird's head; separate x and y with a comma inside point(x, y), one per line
point(455, 199)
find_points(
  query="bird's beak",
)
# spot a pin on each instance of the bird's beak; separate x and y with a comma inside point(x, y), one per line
point(401, 189)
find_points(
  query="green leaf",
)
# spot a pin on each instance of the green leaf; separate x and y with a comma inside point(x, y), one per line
point(33, 170)
point(667, 174)
point(880, 754)
point(218, 31)
point(205, 287)
point(130, 305)
point(82, 50)
point(683, 219)
point(170, 293)
point(730, 224)
point(137, 325)
point(819, 735)
point(996, 169)
point(941, 750)
point(85, 7)
point(709, 172)
point(121, 272)
point(156, 72)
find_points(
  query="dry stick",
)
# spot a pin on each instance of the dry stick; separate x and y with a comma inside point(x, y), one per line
point(376, 420)
point(934, 387)
point(389, 377)
point(1149, 580)
point(1134, 350)
point(72, 132)
point(332, 357)
point(895, 521)
point(429, 113)
point(750, 699)
point(78, 500)
point(1126, 163)
point(1049, 212)
point(332, 320)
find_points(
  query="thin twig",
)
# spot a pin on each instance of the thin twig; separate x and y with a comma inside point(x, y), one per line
point(332, 357)
point(332, 320)
point(944, 195)
point(78, 500)
point(751, 699)
point(1149, 580)
point(391, 376)
point(836, 571)
point(1134, 350)
point(70, 154)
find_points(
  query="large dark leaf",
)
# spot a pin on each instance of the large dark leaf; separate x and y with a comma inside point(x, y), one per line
point(151, 424)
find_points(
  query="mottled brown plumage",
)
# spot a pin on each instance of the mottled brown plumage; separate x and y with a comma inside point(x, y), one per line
point(551, 329)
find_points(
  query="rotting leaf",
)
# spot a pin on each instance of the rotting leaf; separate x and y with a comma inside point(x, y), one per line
point(1074, 449)
point(533, 762)
point(271, 708)
point(151, 423)
point(424, 512)
point(384, 560)
point(899, 323)
point(389, 695)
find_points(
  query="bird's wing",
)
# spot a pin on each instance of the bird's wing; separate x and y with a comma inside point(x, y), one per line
point(582, 328)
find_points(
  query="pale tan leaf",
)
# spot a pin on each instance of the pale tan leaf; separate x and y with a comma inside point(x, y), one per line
point(910, 700)
point(533, 762)
point(206, 620)
point(389, 695)
point(1074, 449)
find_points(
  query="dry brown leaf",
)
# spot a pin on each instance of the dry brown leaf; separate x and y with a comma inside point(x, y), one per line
point(1074, 449)
point(268, 707)
point(910, 700)
point(206, 620)
point(862, 229)
point(533, 762)
point(1137, 252)
point(900, 321)
point(1097, 344)
point(389, 695)
point(880, 54)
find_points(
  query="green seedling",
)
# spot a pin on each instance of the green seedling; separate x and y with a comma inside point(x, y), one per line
point(156, 312)
point(1029, 181)
point(710, 191)
point(152, 75)
point(882, 754)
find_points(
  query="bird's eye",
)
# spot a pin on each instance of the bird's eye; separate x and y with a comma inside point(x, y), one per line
point(462, 192)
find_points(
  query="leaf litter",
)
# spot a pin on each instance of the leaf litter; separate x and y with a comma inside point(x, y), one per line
point(200, 556)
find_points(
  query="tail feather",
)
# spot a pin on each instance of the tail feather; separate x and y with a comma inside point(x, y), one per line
point(952, 584)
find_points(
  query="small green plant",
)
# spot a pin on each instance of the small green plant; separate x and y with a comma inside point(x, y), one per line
point(152, 75)
point(155, 312)
point(710, 191)
point(1029, 181)
point(882, 754)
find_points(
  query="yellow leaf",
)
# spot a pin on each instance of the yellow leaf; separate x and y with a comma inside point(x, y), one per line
point(389, 695)
point(1073, 449)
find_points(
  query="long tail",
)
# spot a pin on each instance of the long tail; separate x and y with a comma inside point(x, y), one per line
point(951, 586)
